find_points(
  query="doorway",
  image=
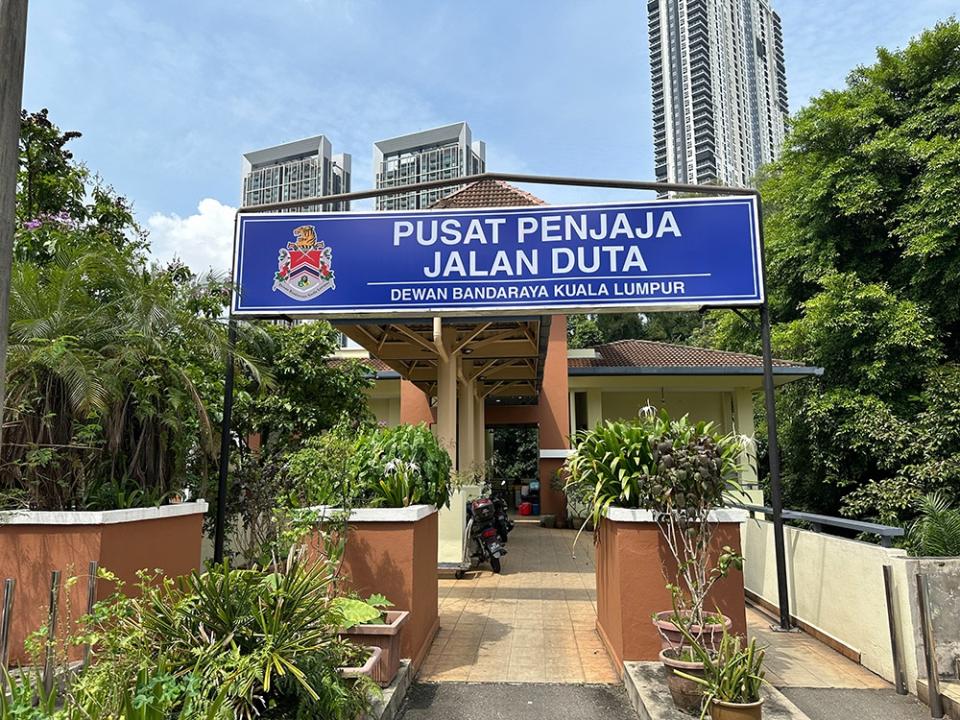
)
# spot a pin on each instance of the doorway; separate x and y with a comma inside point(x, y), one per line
point(515, 465)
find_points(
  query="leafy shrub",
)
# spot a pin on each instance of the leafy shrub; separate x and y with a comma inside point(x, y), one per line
point(321, 472)
point(23, 696)
point(733, 674)
point(401, 466)
point(372, 611)
point(227, 643)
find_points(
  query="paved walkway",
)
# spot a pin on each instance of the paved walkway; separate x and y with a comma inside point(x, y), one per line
point(534, 623)
point(825, 684)
point(799, 660)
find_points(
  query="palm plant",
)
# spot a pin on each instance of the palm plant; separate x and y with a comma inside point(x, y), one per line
point(227, 643)
point(936, 532)
point(100, 381)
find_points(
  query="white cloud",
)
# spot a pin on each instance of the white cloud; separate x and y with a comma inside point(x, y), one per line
point(203, 241)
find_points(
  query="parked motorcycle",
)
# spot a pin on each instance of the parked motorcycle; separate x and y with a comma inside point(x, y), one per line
point(501, 517)
point(484, 533)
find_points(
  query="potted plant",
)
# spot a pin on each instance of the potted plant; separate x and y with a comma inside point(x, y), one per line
point(677, 472)
point(692, 470)
point(732, 679)
point(365, 660)
point(371, 623)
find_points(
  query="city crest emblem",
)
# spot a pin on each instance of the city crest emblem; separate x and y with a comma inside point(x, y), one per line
point(304, 267)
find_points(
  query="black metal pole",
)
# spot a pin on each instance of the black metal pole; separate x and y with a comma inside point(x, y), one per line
point(13, 42)
point(773, 453)
point(225, 442)
point(773, 448)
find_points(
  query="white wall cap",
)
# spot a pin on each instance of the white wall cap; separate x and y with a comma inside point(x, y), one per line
point(361, 515)
point(352, 352)
point(559, 453)
point(100, 517)
point(721, 515)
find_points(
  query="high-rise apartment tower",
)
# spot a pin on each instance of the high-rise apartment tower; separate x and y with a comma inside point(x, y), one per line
point(719, 89)
point(300, 169)
point(437, 154)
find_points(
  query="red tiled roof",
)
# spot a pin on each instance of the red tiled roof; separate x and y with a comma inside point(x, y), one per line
point(488, 193)
point(648, 353)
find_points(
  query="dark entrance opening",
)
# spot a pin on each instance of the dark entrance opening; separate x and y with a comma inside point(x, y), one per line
point(515, 464)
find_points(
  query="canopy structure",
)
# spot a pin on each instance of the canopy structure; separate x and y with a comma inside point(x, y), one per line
point(501, 358)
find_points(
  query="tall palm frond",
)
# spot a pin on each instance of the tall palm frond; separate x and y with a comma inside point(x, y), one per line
point(936, 533)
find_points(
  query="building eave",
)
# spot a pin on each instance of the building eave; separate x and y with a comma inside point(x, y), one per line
point(798, 371)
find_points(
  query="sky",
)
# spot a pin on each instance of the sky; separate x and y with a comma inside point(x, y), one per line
point(169, 95)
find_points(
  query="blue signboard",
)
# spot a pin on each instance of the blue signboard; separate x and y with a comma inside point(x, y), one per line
point(644, 255)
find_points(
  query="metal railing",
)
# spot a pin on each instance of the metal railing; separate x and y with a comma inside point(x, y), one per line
point(817, 522)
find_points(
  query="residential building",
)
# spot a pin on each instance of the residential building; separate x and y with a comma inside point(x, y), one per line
point(720, 105)
point(437, 154)
point(301, 169)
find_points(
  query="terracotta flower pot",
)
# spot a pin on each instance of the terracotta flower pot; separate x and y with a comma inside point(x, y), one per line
point(687, 695)
point(736, 711)
point(368, 668)
point(387, 638)
point(672, 639)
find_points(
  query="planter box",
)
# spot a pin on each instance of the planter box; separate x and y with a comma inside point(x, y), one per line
point(369, 668)
point(387, 638)
point(631, 586)
point(393, 551)
point(33, 544)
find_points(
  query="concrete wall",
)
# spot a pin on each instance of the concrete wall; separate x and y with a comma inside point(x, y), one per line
point(943, 578)
point(32, 544)
point(554, 415)
point(452, 521)
point(836, 591)
point(396, 556)
point(386, 410)
point(706, 405)
point(835, 586)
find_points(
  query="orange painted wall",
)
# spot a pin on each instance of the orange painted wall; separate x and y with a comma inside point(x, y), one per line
point(172, 545)
point(414, 405)
point(554, 410)
point(512, 415)
point(399, 560)
point(631, 587)
point(29, 553)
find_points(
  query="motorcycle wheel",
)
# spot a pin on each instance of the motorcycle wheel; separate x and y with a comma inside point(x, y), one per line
point(495, 565)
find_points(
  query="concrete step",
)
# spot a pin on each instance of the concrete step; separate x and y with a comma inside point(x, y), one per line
point(646, 684)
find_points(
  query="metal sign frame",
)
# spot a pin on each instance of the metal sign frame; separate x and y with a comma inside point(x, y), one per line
point(776, 495)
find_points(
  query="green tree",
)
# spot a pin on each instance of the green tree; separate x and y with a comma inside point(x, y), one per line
point(862, 220)
point(60, 206)
point(308, 392)
point(673, 327)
